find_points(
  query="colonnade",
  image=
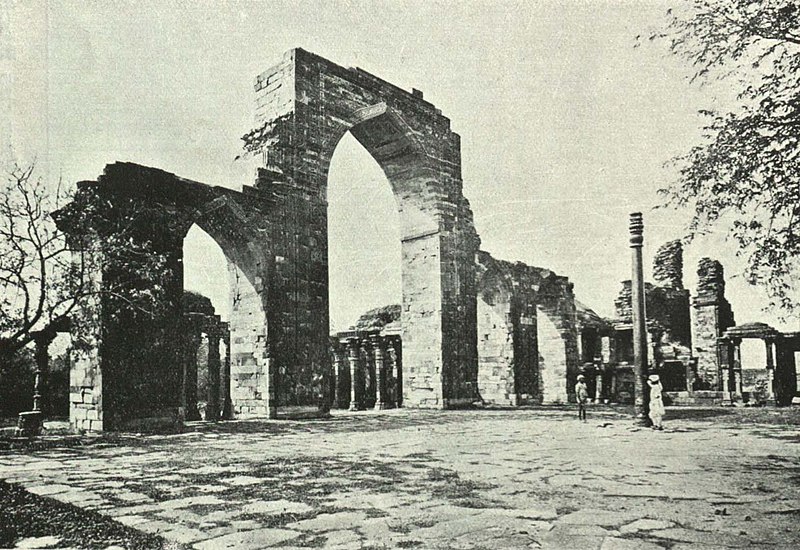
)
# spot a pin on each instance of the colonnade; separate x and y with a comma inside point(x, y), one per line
point(368, 371)
point(218, 398)
point(733, 384)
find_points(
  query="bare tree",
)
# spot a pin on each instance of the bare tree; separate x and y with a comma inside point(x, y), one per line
point(45, 274)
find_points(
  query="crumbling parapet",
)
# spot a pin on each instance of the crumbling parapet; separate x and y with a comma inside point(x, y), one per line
point(668, 265)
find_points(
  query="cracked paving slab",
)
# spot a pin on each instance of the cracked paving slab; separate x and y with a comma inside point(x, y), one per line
point(424, 479)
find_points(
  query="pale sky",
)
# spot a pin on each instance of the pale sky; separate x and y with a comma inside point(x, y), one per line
point(565, 126)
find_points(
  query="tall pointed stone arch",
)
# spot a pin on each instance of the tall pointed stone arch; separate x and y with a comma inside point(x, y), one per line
point(304, 105)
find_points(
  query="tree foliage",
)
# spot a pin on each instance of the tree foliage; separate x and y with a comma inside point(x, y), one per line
point(47, 274)
point(745, 174)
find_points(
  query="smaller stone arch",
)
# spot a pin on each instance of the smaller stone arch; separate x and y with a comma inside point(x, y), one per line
point(497, 317)
point(527, 333)
point(557, 338)
point(128, 376)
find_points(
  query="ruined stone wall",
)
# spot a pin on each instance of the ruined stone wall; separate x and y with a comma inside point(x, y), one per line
point(527, 333)
point(298, 296)
point(552, 361)
point(250, 381)
point(497, 318)
point(305, 104)
point(667, 310)
point(141, 372)
point(668, 265)
point(140, 359)
point(712, 316)
point(559, 356)
point(85, 377)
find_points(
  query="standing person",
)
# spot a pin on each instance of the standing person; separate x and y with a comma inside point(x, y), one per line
point(656, 401)
point(582, 396)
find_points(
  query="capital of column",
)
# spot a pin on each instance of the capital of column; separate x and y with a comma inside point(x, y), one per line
point(213, 335)
point(353, 347)
point(377, 342)
point(636, 228)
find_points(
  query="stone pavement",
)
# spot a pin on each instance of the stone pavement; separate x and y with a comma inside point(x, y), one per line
point(422, 479)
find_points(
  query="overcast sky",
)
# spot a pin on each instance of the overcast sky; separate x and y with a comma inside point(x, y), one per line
point(565, 126)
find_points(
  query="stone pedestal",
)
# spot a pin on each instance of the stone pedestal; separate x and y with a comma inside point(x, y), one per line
point(29, 424)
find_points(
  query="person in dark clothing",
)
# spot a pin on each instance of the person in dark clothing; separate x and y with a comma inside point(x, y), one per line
point(582, 396)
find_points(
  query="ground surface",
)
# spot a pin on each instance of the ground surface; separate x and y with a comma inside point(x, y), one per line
point(411, 479)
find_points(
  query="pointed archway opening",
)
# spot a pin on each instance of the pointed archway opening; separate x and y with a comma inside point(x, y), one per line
point(205, 270)
point(206, 338)
point(364, 251)
point(364, 277)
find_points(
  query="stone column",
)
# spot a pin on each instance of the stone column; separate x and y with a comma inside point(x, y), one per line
point(367, 376)
point(42, 357)
point(391, 375)
point(638, 318)
point(768, 342)
point(190, 373)
point(737, 368)
point(652, 341)
point(227, 405)
point(353, 350)
point(607, 347)
point(214, 365)
point(725, 353)
point(397, 367)
point(338, 364)
point(691, 368)
point(380, 376)
point(598, 388)
point(725, 372)
point(613, 386)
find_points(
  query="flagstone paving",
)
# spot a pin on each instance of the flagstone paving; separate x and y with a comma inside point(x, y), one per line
point(419, 479)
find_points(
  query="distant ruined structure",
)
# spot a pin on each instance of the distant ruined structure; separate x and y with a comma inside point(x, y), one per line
point(470, 328)
point(697, 356)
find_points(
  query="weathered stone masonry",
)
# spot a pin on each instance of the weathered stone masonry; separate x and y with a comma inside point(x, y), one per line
point(712, 317)
point(305, 105)
point(274, 236)
point(131, 373)
point(527, 334)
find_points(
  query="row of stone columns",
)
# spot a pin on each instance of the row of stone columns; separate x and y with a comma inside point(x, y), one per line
point(218, 398)
point(353, 375)
point(732, 373)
